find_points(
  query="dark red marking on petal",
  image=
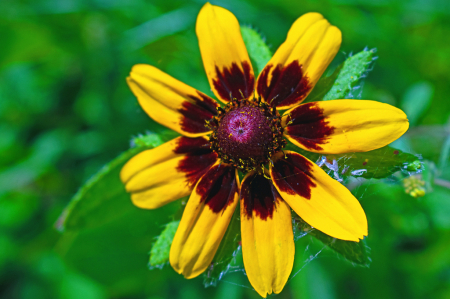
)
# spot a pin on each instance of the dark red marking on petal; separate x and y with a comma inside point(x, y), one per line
point(218, 187)
point(288, 84)
point(232, 80)
point(307, 125)
point(196, 113)
point(197, 160)
point(188, 145)
point(292, 174)
point(259, 195)
point(396, 152)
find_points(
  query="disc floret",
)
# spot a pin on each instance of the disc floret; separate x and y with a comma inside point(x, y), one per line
point(246, 133)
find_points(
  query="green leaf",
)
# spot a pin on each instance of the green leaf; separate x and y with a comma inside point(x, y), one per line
point(377, 164)
point(355, 252)
point(159, 254)
point(323, 86)
point(114, 253)
point(354, 68)
point(416, 100)
point(224, 256)
point(445, 154)
point(153, 139)
point(104, 235)
point(103, 197)
point(257, 49)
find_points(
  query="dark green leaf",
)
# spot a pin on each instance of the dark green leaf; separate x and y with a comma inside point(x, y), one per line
point(323, 86)
point(355, 252)
point(114, 253)
point(225, 254)
point(257, 49)
point(354, 68)
point(159, 254)
point(377, 164)
point(103, 198)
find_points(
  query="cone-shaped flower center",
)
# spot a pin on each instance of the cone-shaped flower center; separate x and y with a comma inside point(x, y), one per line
point(246, 133)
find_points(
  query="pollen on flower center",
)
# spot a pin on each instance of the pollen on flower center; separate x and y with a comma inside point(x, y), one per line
point(246, 133)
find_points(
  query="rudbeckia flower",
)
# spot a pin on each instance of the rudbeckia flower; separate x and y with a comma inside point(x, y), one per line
point(247, 134)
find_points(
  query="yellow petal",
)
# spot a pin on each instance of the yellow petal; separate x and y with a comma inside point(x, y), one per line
point(343, 126)
point(205, 220)
point(168, 172)
point(318, 199)
point(224, 55)
point(268, 247)
point(171, 102)
point(297, 65)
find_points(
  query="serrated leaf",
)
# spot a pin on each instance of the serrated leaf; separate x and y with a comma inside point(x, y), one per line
point(225, 254)
point(257, 49)
point(160, 252)
point(323, 86)
point(355, 252)
point(354, 68)
point(103, 197)
point(377, 164)
point(104, 235)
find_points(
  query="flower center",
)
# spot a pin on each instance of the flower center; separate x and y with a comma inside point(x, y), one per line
point(246, 133)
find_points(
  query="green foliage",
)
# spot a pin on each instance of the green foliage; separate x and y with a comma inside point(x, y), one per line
point(160, 252)
point(355, 252)
point(102, 199)
point(66, 111)
point(354, 68)
point(324, 85)
point(257, 49)
point(376, 164)
point(417, 100)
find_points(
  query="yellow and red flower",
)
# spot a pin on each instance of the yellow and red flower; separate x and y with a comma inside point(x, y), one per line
point(248, 135)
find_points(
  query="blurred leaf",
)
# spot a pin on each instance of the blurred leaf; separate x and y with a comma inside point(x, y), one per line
point(416, 100)
point(75, 286)
point(377, 164)
point(445, 154)
point(428, 174)
point(164, 25)
point(224, 256)
point(114, 254)
point(8, 251)
point(355, 252)
point(355, 68)
point(44, 153)
point(17, 208)
point(257, 49)
point(159, 254)
point(438, 206)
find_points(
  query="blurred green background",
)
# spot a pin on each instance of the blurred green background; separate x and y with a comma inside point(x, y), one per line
point(65, 111)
